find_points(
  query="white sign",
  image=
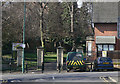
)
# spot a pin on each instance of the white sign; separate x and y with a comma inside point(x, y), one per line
point(23, 46)
point(104, 53)
point(89, 48)
point(16, 45)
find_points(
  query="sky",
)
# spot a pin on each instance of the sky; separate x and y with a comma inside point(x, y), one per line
point(79, 2)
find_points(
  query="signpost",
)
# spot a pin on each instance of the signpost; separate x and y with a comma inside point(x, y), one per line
point(16, 45)
point(23, 37)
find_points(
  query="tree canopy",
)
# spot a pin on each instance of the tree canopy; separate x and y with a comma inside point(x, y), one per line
point(56, 21)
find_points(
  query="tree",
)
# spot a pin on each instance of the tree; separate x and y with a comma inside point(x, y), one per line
point(42, 8)
point(80, 22)
point(12, 22)
point(46, 22)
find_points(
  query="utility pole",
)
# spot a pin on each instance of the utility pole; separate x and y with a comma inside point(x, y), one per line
point(23, 37)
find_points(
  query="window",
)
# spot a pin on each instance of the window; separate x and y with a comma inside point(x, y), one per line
point(89, 48)
point(111, 47)
point(105, 59)
point(99, 47)
point(105, 47)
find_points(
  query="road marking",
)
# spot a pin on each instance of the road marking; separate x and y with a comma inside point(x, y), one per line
point(112, 79)
point(106, 81)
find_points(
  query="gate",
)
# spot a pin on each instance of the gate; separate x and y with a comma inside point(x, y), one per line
point(50, 63)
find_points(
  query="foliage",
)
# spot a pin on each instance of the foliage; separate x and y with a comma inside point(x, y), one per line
point(56, 24)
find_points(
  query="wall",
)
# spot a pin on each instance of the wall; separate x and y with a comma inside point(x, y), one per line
point(107, 29)
point(112, 54)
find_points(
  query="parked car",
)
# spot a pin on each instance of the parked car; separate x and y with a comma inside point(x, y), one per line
point(102, 63)
point(75, 60)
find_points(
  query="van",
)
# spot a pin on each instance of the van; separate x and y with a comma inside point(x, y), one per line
point(75, 60)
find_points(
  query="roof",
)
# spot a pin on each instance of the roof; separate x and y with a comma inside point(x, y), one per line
point(105, 12)
point(119, 9)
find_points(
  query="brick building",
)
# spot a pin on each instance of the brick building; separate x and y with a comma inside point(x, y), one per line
point(105, 24)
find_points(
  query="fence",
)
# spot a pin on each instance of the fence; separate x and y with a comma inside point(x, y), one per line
point(112, 54)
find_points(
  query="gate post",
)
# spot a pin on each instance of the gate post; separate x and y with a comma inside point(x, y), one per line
point(19, 57)
point(40, 57)
point(79, 49)
point(59, 58)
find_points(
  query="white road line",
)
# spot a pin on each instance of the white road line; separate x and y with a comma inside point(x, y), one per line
point(105, 80)
point(112, 79)
point(102, 78)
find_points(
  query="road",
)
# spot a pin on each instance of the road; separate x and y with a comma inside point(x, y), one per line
point(88, 77)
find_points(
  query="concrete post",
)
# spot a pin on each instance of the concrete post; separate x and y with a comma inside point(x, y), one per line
point(40, 56)
point(19, 57)
point(79, 49)
point(60, 57)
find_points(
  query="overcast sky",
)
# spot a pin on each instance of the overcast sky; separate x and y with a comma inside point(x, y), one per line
point(79, 2)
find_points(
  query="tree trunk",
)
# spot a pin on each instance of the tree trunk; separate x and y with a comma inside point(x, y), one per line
point(72, 26)
point(73, 47)
point(41, 27)
point(71, 13)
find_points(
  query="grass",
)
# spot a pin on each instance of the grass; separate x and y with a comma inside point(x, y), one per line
point(31, 58)
point(48, 57)
point(7, 56)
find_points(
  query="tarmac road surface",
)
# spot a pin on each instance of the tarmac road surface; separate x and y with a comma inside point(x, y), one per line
point(71, 77)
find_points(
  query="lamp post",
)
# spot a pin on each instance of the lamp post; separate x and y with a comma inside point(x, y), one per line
point(23, 37)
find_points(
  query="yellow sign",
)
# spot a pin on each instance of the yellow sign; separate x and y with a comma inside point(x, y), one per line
point(104, 53)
